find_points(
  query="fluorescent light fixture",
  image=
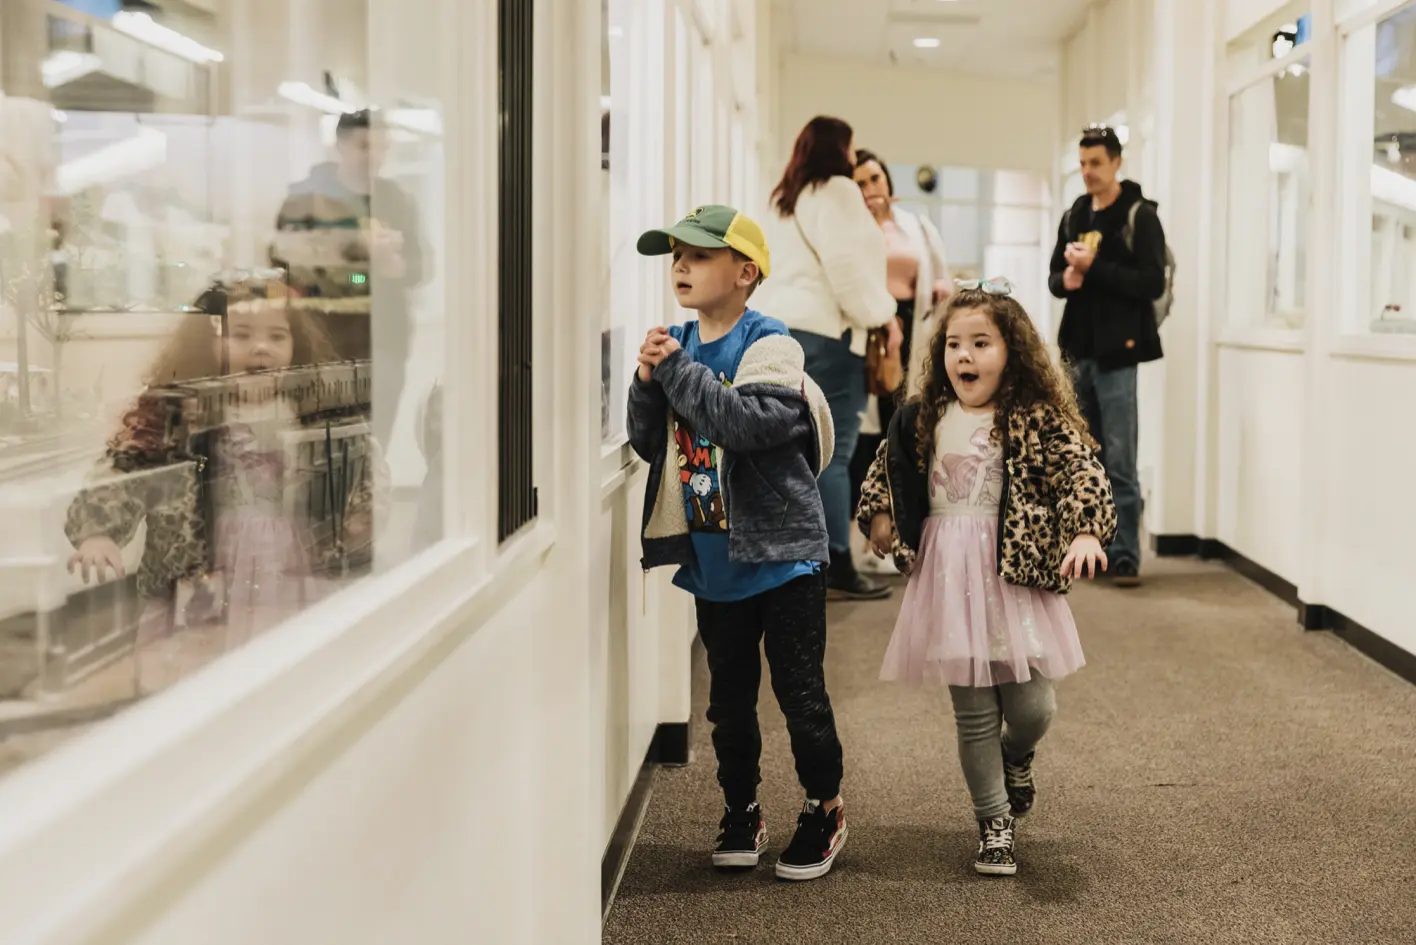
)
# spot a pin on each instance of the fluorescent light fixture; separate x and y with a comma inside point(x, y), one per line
point(142, 152)
point(1405, 97)
point(65, 66)
point(302, 93)
point(926, 42)
point(143, 27)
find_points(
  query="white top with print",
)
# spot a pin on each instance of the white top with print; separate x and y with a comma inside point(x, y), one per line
point(967, 475)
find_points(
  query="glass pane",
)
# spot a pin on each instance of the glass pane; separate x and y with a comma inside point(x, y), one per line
point(1389, 51)
point(1268, 189)
point(221, 334)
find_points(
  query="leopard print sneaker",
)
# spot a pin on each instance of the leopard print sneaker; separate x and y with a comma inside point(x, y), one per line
point(1018, 779)
point(995, 847)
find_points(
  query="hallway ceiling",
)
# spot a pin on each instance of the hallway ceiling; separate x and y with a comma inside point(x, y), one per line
point(1015, 38)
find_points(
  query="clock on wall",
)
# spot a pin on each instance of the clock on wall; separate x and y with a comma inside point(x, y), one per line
point(926, 178)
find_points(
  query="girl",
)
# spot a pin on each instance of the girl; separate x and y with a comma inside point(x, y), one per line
point(988, 494)
point(210, 458)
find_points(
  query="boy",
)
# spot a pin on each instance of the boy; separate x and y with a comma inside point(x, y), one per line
point(735, 434)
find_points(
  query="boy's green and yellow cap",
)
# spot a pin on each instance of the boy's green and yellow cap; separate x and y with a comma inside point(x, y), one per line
point(712, 227)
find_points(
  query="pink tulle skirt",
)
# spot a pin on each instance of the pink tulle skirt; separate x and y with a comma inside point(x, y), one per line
point(963, 625)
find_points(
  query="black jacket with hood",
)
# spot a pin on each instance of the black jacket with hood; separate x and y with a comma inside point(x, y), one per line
point(1111, 318)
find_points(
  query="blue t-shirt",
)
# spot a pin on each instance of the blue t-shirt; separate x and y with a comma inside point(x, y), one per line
point(714, 577)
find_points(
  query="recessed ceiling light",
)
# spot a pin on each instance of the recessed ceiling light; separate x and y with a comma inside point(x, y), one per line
point(926, 42)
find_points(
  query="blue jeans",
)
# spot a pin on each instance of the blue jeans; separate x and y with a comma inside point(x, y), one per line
point(841, 377)
point(1108, 402)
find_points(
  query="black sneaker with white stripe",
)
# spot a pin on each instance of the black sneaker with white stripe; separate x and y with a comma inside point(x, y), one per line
point(1018, 779)
point(995, 847)
point(819, 837)
point(742, 837)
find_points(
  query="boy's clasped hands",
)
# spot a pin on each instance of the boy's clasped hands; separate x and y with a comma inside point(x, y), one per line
point(658, 345)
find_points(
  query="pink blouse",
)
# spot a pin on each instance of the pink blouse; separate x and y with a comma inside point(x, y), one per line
point(901, 262)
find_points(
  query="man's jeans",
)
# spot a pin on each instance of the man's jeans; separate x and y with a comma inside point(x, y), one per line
point(1108, 402)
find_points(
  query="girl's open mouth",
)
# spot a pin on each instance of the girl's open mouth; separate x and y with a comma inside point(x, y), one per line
point(967, 377)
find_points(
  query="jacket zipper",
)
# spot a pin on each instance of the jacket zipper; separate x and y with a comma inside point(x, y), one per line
point(1007, 484)
point(723, 488)
point(890, 488)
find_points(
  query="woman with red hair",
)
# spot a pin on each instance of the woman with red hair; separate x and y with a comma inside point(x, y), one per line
point(829, 286)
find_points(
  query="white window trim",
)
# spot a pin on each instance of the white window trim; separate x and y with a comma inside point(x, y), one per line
point(1374, 347)
point(1373, 14)
point(1268, 70)
point(1264, 338)
point(198, 761)
point(1350, 342)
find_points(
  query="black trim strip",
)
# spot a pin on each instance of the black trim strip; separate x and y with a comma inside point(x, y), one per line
point(670, 746)
point(1378, 648)
point(1176, 546)
point(626, 832)
point(1310, 616)
point(1283, 589)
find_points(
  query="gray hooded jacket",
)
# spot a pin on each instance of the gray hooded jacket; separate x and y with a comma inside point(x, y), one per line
point(774, 430)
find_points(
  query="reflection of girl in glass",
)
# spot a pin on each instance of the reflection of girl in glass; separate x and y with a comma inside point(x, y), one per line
point(211, 458)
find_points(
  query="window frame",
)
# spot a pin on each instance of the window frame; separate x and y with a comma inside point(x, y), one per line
point(164, 782)
point(1265, 330)
point(1352, 335)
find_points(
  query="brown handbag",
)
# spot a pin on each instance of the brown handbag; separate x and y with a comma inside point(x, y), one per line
point(884, 372)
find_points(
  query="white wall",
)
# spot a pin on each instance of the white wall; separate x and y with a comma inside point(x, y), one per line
point(922, 116)
point(1369, 508)
point(1260, 447)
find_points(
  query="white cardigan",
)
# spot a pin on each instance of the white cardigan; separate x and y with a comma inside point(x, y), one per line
point(845, 289)
point(933, 266)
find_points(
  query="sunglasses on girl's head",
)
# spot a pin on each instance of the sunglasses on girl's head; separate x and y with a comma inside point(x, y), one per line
point(995, 286)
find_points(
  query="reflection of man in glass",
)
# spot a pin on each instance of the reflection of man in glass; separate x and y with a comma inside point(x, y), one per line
point(351, 242)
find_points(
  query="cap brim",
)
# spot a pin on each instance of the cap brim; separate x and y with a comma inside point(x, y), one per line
point(661, 242)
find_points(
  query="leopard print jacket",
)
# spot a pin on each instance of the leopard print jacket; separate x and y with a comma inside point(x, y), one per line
point(1055, 489)
point(143, 478)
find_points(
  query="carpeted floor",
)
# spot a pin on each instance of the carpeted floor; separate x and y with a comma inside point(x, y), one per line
point(1214, 776)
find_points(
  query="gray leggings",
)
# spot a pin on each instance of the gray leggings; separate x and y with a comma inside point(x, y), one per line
point(979, 714)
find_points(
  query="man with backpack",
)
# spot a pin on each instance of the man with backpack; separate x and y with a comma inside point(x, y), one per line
point(1112, 267)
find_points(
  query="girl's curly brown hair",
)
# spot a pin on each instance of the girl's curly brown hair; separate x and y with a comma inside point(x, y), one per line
point(1030, 377)
point(192, 354)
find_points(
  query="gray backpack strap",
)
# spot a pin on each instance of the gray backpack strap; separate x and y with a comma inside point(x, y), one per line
point(1128, 235)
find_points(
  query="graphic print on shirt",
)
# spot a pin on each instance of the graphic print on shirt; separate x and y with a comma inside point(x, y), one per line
point(698, 471)
point(959, 475)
